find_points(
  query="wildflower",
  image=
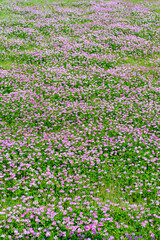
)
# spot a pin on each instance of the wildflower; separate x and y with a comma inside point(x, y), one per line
point(48, 234)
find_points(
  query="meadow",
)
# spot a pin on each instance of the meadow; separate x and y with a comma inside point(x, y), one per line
point(79, 120)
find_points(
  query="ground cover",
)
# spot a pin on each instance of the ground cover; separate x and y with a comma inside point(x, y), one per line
point(79, 122)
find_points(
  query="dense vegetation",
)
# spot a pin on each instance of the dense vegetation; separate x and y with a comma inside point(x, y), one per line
point(79, 120)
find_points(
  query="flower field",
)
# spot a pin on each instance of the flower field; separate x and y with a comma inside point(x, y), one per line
point(79, 120)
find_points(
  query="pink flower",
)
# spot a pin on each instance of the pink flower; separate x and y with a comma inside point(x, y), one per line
point(79, 230)
point(118, 226)
point(48, 234)
point(111, 238)
point(87, 228)
point(65, 212)
point(69, 209)
point(143, 224)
